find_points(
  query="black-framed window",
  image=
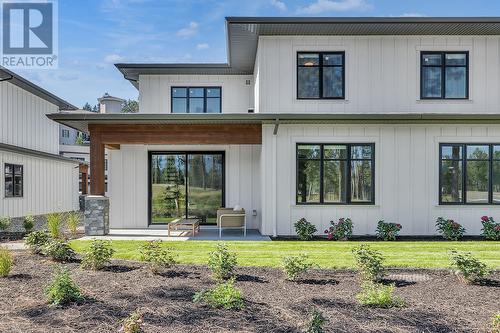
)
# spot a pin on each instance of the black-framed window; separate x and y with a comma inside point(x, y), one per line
point(65, 133)
point(196, 99)
point(444, 75)
point(13, 180)
point(469, 173)
point(334, 173)
point(320, 75)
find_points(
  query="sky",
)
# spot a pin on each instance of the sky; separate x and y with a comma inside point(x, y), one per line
point(96, 34)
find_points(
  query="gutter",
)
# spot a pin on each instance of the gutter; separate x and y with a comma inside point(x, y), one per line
point(36, 153)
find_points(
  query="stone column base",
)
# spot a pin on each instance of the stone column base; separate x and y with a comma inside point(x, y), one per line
point(96, 216)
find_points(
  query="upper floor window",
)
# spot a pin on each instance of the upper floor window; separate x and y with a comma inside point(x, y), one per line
point(335, 173)
point(444, 75)
point(65, 133)
point(470, 174)
point(196, 99)
point(13, 178)
point(320, 75)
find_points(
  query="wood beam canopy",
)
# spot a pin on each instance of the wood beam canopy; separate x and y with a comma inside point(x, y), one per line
point(112, 135)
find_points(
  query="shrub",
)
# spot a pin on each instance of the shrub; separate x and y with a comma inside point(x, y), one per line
point(133, 323)
point(388, 231)
point(58, 250)
point(97, 255)
point(305, 230)
point(156, 256)
point(29, 223)
point(4, 223)
point(295, 266)
point(223, 295)
point(495, 324)
point(378, 295)
point(369, 262)
point(342, 230)
point(222, 262)
point(449, 229)
point(36, 240)
point(6, 262)
point(316, 322)
point(491, 230)
point(62, 290)
point(468, 267)
point(72, 221)
point(54, 224)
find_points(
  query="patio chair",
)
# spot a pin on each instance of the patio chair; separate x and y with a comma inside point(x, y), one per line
point(228, 218)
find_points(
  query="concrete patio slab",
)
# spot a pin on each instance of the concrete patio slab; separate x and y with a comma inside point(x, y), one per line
point(162, 234)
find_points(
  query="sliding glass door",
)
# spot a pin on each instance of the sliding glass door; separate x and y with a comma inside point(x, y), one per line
point(186, 184)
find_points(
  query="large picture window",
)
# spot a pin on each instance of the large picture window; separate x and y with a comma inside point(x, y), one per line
point(13, 180)
point(196, 99)
point(320, 75)
point(469, 174)
point(444, 75)
point(186, 185)
point(335, 173)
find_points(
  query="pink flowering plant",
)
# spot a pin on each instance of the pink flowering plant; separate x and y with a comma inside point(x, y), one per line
point(449, 229)
point(341, 230)
point(388, 231)
point(491, 229)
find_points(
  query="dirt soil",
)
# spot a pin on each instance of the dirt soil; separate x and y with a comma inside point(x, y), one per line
point(436, 301)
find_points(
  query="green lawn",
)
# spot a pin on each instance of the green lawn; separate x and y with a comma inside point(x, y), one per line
point(422, 254)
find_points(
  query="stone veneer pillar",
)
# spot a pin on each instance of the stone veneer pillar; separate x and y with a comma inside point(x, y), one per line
point(96, 215)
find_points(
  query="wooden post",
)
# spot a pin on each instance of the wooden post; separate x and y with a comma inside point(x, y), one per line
point(97, 185)
point(84, 170)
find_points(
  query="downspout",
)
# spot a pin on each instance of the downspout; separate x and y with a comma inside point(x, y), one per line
point(275, 177)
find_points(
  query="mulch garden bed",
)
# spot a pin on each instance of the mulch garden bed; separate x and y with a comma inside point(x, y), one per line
point(436, 301)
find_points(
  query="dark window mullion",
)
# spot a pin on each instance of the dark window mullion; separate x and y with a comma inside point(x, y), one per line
point(321, 173)
point(464, 174)
point(348, 187)
point(490, 175)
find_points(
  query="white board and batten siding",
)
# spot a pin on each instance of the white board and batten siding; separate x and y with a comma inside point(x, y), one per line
point(406, 177)
point(128, 181)
point(23, 122)
point(155, 91)
point(49, 185)
point(382, 74)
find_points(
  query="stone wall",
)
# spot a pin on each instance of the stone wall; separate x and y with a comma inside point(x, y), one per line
point(96, 216)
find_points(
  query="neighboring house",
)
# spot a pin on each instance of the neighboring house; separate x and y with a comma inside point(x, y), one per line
point(68, 136)
point(322, 118)
point(35, 179)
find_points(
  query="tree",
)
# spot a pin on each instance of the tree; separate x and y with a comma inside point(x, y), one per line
point(90, 108)
point(79, 139)
point(130, 106)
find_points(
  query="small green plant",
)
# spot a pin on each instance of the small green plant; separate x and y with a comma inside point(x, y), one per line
point(72, 221)
point(491, 229)
point(58, 250)
point(133, 323)
point(342, 230)
point(6, 262)
point(156, 256)
point(222, 262)
point(388, 231)
point(29, 223)
point(36, 240)
point(223, 295)
point(316, 322)
point(4, 223)
point(54, 224)
point(62, 290)
point(369, 262)
point(495, 323)
point(97, 255)
point(305, 230)
point(379, 295)
point(295, 266)
point(468, 267)
point(449, 229)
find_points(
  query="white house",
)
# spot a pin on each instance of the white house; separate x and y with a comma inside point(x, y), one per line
point(322, 118)
point(35, 178)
